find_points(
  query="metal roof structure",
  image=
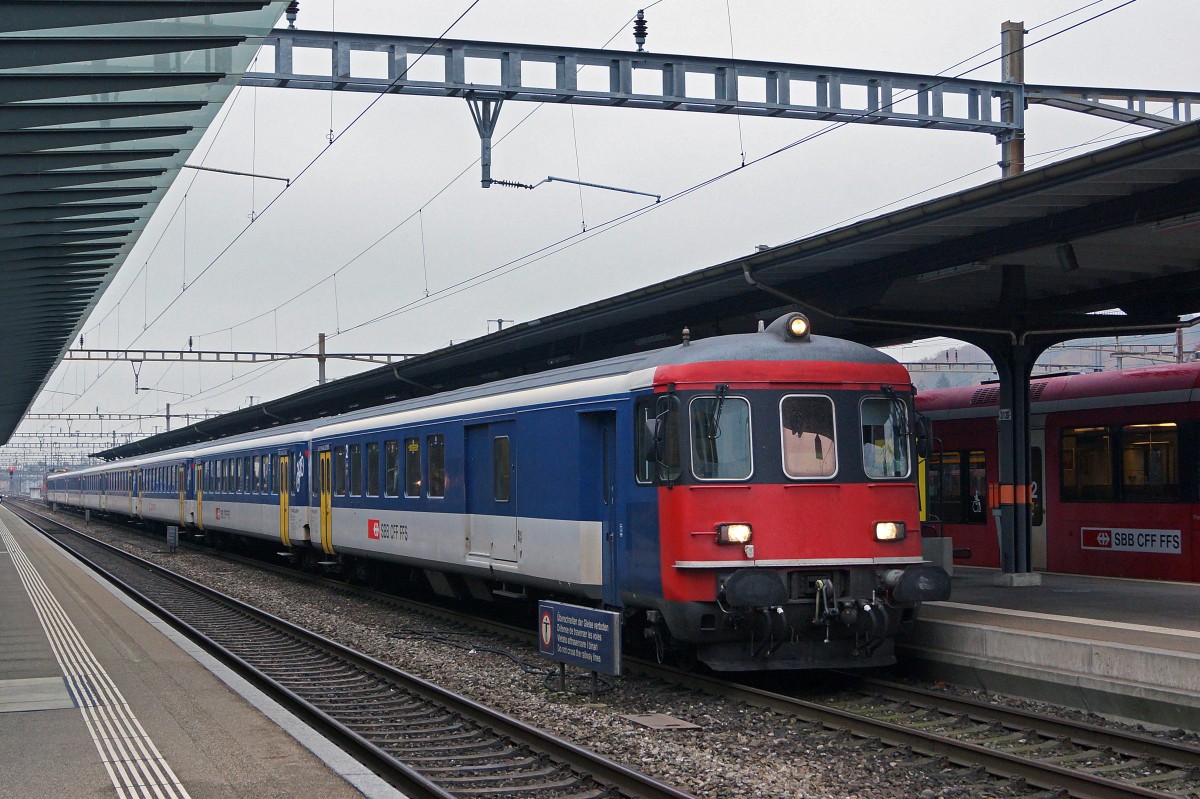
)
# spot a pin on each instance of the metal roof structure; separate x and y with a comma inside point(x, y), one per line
point(1030, 258)
point(101, 102)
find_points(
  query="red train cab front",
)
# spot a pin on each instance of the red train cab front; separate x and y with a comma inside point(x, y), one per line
point(788, 506)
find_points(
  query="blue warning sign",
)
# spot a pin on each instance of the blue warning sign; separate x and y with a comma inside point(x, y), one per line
point(583, 637)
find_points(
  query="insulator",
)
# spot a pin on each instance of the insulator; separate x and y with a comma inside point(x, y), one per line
point(292, 10)
point(639, 30)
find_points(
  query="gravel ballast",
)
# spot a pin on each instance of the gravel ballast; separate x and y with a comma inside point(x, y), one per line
point(735, 751)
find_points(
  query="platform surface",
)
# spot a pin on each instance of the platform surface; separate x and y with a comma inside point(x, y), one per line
point(1155, 603)
point(1129, 649)
point(98, 699)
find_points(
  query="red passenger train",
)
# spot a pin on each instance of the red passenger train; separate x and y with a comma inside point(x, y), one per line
point(1113, 472)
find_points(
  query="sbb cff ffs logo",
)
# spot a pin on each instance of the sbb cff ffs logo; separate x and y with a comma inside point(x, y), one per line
point(377, 530)
point(1132, 539)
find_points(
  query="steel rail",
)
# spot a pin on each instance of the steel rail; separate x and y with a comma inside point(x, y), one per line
point(1043, 775)
point(628, 782)
point(1165, 751)
point(398, 774)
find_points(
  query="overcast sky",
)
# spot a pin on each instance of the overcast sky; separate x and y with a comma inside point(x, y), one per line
point(413, 159)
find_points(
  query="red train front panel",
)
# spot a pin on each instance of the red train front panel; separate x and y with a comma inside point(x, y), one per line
point(788, 512)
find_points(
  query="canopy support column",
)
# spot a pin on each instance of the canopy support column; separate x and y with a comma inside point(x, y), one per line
point(1010, 497)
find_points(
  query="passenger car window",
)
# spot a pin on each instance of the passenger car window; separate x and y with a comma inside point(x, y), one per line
point(339, 471)
point(957, 485)
point(391, 462)
point(412, 467)
point(1150, 462)
point(884, 437)
point(437, 464)
point(1087, 465)
point(372, 469)
point(720, 427)
point(356, 470)
point(501, 471)
point(809, 444)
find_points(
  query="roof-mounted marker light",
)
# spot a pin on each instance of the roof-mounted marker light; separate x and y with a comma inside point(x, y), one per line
point(798, 326)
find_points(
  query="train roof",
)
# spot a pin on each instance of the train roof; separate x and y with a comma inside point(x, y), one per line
point(630, 372)
point(1150, 384)
point(622, 373)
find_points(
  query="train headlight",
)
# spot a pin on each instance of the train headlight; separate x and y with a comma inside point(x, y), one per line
point(889, 531)
point(798, 326)
point(736, 533)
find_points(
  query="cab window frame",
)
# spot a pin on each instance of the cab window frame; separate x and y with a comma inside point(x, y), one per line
point(785, 431)
point(723, 403)
point(902, 436)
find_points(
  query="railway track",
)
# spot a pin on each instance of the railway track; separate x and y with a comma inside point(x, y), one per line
point(1053, 756)
point(429, 742)
point(1062, 757)
point(1074, 758)
point(1129, 757)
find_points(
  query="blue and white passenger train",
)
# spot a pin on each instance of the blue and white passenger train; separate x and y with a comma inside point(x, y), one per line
point(747, 499)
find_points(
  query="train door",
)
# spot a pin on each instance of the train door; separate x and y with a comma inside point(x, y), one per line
point(103, 492)
point(135, 497)
point(598, 452)
point(492, 492)
point(200, 495)
point(1037, 496)
point(283, 481)
point(181, 485)
point(325, 480)
point(300, 501)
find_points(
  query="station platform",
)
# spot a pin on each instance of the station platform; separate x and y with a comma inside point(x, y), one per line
point(98, 698)
point(1124, 649)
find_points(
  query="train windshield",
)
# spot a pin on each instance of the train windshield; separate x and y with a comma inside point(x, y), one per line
point(809, 448)
point(720, 427)
point(885, 437)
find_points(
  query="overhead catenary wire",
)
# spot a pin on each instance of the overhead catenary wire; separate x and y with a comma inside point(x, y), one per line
point(418, 213)
point(298, 176)
point(572, 240)
point(162, 233)
point(433, 198)
point(254, 146)
point(1100, 139)
point(616, 221)
point(317, 158)
point(332, 27)
point(569, 241)
point(741, 137)
point(578, 171)
point(424, 264)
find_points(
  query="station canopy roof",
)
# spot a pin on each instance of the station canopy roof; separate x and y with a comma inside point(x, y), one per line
point(101, 102)
point(1037, 255)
